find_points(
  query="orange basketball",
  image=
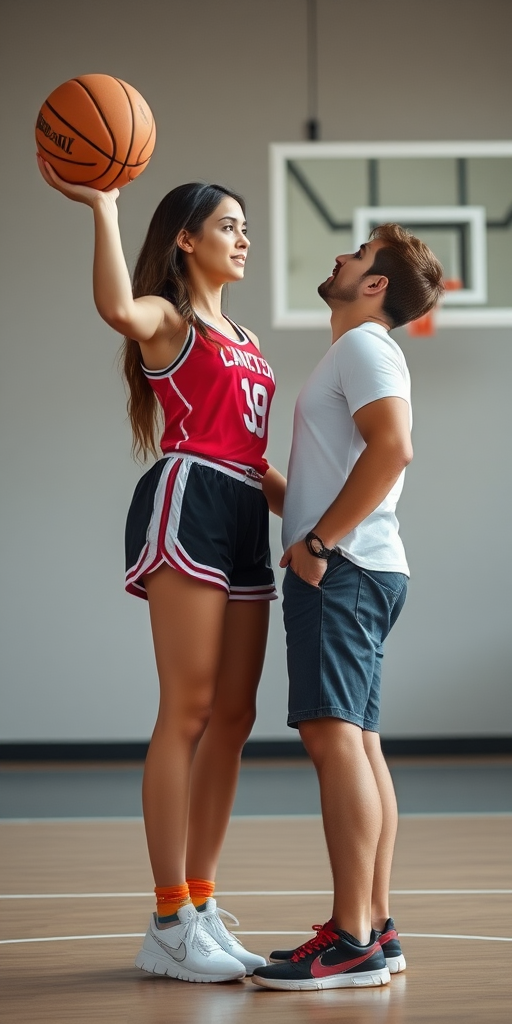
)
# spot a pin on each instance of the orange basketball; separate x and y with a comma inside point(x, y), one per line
point(96, 130)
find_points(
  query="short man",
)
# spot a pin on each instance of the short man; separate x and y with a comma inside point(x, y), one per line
point(344, 588)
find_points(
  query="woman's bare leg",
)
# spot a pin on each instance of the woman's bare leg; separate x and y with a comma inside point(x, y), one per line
point(217, 761)
point(187, 621)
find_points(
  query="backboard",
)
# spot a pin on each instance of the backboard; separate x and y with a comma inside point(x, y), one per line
point(457, 197)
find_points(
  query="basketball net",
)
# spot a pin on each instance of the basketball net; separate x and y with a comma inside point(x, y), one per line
point(425, 326)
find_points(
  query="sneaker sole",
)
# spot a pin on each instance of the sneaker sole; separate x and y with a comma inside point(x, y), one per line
point(363, 980)
point(249, 968)
point(162, 967)
point(396, 964)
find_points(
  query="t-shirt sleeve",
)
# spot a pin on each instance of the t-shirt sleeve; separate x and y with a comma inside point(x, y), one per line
point(368, 368)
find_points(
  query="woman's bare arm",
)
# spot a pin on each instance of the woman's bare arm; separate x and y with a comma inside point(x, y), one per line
point(146, 319)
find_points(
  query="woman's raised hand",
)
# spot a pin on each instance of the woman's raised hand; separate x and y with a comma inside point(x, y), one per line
point(78, 193)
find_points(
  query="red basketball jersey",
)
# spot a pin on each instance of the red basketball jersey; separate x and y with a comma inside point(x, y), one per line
point(216, 399)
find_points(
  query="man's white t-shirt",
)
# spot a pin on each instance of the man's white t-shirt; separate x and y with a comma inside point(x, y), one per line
point(365, 364)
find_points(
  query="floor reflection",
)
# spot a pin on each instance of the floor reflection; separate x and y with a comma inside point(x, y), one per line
point(243, 1003)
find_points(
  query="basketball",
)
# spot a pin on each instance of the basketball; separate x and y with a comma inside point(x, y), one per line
point(96, 130)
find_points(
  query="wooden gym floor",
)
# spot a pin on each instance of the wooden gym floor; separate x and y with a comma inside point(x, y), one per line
point(76, 897)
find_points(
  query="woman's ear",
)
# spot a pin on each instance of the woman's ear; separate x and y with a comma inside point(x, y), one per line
point(184, 241)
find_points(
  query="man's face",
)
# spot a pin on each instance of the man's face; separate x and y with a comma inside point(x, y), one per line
point(344, 283)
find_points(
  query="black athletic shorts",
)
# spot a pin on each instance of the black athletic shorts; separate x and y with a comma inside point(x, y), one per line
point(204, 520)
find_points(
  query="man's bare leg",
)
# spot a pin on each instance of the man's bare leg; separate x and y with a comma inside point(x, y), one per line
point(352, 817)
point(385, 849)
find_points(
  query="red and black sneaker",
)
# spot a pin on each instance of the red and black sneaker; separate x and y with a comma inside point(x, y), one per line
point(388, 940)
point(390, 944)
point(331, 959)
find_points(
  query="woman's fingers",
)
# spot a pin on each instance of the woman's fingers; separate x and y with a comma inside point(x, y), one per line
point(78, 193)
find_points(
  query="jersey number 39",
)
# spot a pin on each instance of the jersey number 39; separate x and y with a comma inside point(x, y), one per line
point(257, 404)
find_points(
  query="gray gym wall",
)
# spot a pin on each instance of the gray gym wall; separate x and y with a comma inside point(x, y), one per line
point(224, 80)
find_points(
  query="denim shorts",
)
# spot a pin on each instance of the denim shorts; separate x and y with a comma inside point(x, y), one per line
point(334, 637)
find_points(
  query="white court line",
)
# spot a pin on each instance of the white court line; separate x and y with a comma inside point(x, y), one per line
point(140, 935)
point(246, 892)
point(72, 938)
point(76, 895)
point(450, 892)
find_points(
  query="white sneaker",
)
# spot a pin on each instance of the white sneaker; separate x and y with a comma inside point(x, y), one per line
point(186, 951)
point(215, 927)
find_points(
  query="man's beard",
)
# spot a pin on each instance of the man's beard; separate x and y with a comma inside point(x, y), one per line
point(343, 293)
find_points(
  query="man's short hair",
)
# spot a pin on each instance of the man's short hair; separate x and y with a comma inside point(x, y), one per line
point(414, 274)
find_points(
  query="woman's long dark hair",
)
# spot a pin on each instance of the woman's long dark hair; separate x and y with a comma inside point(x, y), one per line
point(161, 270)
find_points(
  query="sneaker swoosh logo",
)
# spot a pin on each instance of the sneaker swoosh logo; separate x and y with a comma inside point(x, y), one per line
point(320, 970)
point(179, 953)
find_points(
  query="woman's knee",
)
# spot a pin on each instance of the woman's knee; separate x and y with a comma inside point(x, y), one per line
point(187, 718)
point(232, 726)
point(240, 725)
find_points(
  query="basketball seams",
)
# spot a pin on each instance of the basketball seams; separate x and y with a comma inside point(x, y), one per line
point(76, 131)
point(111, 158)
point(138, 161)
point(147, 142)
point(64, 159)
point(102, 115)
point(132, 112)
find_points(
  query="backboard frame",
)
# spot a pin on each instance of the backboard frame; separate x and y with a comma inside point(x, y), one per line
point(283, 316)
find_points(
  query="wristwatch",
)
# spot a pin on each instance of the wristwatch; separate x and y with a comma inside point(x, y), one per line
point(316, 547)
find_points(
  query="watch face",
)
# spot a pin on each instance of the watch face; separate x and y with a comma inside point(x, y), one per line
point(316, 545)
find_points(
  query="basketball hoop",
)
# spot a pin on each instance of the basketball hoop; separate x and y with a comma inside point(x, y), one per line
point(425, 326)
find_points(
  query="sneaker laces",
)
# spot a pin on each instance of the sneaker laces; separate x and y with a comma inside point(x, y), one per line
point(217, 925)
point(197, 936)
point(325, 937)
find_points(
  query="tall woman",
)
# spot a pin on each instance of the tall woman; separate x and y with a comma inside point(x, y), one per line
point(196, 541)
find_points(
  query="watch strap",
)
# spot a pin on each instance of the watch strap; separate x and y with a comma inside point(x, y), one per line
point(316, 546)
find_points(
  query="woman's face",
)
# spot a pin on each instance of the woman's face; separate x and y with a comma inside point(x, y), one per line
point(218, 252)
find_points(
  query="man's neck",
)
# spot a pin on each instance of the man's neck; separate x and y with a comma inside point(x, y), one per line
point(346, 318)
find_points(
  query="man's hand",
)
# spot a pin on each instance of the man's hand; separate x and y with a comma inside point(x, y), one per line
point(309, 568)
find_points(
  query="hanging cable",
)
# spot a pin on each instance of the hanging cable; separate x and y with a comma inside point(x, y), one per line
point(312, 123)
